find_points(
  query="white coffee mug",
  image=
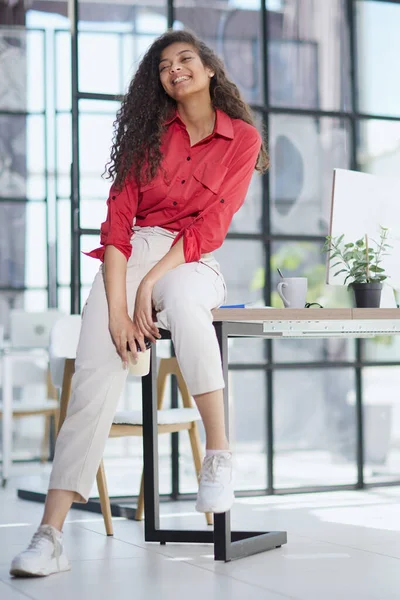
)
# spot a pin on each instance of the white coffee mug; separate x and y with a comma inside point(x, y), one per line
point(141, 366)
point(293, 291)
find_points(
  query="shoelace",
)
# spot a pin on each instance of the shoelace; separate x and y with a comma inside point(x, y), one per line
point(46, 533)
point(211, 467)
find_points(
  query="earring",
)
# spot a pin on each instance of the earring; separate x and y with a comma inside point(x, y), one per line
point(211, 75)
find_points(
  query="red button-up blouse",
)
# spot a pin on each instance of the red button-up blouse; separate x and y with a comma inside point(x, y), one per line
point(202, 188)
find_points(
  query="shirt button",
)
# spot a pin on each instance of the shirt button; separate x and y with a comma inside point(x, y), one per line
point(222, 200)
point(174, 203)
point(183, 181)
point(188, 158)
point(113, 197)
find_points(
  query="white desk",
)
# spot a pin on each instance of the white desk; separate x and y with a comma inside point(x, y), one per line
point(9, 356)
point(261, 323)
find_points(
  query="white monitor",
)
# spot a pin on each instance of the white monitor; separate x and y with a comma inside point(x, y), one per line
point(360, 204)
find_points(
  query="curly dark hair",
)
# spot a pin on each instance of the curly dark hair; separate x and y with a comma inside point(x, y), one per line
point(139, 126)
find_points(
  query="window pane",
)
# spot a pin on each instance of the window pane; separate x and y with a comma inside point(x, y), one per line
point(35, 79)
point(378, 50)
point(249, 218)
point(317, 350)
point(234, 33)
point(247, 390)
point(22, 157)
point(64, 155)
point(36, 245)
point(13, 158)
point(99, 61)
point(23, 244)
point(95, 138)
point(304, 151)
point(379, 147)
point(246, 350)
point(89, 266)
point(92, 213)
point(64, 299)
point(35, 300)
point(63, 242)
point(63, 70)
point(13, 69)
point(13, 228)
point(112, 39)
point(382, 348)
point(36, 158)
point(309, 58)
point(241, 263)
point(314, 427)
point(381, 423)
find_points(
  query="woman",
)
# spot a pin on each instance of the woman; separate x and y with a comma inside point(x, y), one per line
point(183, 155)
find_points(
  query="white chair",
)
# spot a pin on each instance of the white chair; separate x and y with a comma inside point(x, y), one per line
point(29, 331)
point(63, 343)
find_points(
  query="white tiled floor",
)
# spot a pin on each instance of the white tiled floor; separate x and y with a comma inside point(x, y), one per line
point(341, 546)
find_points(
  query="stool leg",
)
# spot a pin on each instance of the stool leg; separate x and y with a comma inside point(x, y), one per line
point(104, 499)
point(69, 369)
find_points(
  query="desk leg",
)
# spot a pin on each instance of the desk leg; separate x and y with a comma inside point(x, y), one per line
point(7, 417)
point(230, 545)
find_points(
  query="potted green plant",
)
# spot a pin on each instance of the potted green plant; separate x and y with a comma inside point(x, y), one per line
point(361, 262)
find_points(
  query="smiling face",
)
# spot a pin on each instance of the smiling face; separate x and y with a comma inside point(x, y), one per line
point(182, 73)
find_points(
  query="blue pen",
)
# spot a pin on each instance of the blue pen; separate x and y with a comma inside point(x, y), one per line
point(233, 306)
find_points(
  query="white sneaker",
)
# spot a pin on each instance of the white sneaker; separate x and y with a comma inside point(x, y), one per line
point(216, 493)
point(44, 555)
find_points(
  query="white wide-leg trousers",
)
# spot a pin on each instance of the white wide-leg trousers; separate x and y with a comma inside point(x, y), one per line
point(183, 299)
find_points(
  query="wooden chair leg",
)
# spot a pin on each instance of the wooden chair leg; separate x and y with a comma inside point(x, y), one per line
point(196, 451)
point(55, 422)
point(46, 439)
point(104, 499)
point(69, 369)
point(164, 370)
point(139, 513)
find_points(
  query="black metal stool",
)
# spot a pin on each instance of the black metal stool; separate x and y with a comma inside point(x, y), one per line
point(228, 544)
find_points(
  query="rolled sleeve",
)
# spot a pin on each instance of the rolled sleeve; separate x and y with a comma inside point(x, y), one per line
point(117, 228)
point(208, 230)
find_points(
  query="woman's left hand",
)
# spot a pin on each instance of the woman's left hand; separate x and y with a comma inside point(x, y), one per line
point(142, 317)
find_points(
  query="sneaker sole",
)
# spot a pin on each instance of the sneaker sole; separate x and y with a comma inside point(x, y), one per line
point(25, 572)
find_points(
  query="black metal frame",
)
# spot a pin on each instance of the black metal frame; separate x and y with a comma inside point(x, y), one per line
point(228, 545)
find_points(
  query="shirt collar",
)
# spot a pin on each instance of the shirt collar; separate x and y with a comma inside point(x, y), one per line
point(223, 123)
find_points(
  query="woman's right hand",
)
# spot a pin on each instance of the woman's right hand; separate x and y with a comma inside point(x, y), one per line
point(125, 333)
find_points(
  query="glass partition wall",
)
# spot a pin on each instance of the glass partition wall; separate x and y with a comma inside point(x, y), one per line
point(306, 414)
